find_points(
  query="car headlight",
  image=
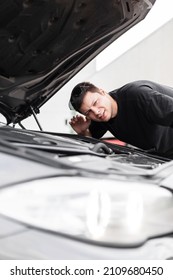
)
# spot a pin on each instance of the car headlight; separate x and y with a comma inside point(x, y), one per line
point(115, 213)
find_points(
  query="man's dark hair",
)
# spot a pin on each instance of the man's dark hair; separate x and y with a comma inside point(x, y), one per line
point(78, 94)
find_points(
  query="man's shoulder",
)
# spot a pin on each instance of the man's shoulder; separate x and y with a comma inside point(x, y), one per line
point(133, 92)
point(136, 88)
point(136, 85)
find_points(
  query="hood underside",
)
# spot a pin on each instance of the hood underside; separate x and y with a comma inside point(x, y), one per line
point(44, 43)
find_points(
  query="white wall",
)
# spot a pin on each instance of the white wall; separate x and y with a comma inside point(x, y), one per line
point(150, 59)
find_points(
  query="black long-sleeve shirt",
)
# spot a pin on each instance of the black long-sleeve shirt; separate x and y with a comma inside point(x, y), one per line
point(144, 118)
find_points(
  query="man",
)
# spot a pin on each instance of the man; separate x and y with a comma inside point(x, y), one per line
point(139, 113)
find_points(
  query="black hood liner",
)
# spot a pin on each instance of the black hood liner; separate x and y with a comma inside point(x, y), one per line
point(44, 43)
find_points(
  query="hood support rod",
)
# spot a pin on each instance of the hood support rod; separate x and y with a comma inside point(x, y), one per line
point(35, 117)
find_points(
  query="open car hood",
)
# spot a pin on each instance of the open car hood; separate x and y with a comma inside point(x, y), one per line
point(44, 43)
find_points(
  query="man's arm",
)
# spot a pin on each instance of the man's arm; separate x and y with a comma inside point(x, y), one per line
point(160, 110)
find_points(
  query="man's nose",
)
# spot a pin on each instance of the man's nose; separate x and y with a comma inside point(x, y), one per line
point(95, 110)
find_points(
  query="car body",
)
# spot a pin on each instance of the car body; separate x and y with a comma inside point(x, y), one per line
point(64, 196)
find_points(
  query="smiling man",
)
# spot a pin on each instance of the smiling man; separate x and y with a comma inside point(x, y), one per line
point(139, 113)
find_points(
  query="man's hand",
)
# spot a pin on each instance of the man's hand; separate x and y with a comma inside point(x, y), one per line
point(81, 125)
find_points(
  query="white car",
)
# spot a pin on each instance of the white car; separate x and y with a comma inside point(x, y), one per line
point(65, 196)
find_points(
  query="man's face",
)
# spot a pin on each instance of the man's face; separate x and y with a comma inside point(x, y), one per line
point(97, 106)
